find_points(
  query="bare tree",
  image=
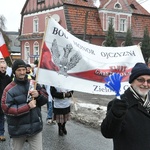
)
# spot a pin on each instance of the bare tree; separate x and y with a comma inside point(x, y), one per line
point(2, 22)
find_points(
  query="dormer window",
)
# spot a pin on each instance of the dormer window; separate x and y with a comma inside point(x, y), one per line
point(132, 6)
point(117, 6)
point(40, 1)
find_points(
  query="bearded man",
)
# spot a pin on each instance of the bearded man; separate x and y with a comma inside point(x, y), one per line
point(127, 121)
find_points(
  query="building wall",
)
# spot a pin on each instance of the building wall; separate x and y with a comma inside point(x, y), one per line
point(27, 29)
point(33, 11)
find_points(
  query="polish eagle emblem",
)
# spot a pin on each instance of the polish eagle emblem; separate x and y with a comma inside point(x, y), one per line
point(64, 61)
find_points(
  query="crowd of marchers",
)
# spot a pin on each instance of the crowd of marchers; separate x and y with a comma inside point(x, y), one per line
point(126, 121)
point(21, 101)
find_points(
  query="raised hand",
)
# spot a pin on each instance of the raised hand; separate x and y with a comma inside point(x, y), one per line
point(113, 82)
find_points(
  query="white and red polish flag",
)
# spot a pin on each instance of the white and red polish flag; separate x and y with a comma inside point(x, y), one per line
point(3, 47)
point(70, 63)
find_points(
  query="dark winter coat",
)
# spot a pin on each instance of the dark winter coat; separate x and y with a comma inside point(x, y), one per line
point(21, 120)
point(4, 81)
point(132, 130)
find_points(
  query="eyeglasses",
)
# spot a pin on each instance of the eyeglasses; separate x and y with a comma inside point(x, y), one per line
point(142, 80)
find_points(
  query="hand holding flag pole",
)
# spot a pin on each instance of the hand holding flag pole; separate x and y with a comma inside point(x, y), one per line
point(113, 82)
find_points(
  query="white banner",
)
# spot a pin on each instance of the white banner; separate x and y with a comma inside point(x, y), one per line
point(71, 63)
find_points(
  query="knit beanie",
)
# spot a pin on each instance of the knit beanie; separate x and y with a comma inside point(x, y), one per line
point(17, 64)
point(138, 70)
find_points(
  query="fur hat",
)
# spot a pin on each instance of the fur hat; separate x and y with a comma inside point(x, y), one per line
point(138, 70)
point(17, 64)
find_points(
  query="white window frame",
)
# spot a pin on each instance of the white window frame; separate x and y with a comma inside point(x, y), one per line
point(140, 44)
point(122, 44)
point(117, 4)
point(123, 25)
point(27, 52)
point(36, 51)
point(39, 1)
point(113, 22)
point(103, 43)
point(35, 25)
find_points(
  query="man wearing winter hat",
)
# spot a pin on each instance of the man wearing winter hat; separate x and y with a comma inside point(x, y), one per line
point(23, 117)
point(128, 120)
point(4, 81)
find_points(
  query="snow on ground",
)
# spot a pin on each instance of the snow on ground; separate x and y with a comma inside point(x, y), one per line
point(92, 106)
point(89, 114)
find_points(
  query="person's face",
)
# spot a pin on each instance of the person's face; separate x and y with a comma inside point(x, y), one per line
point(3, 67)
point(20, 73)
point(28, 69)
point(142, 85)
point(2, 60)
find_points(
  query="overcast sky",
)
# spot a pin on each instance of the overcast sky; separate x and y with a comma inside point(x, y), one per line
point(11, 10)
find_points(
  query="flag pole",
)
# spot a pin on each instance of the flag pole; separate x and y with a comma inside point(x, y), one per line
point(41, 52)
point(10, 60)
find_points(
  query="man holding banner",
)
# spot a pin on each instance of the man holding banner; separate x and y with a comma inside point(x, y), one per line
point(127, 120)
point(24, 117)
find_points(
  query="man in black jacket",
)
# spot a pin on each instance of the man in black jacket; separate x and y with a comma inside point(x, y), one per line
point(4, 81)
point(23, 116)
point(127, 120)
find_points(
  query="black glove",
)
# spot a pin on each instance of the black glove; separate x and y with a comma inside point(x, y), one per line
point(68, 94)
point(119, 107)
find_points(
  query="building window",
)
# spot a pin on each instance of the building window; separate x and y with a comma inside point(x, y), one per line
point(27, 53)
point(133, 6)
point(122, 44)
point(111, 20)
point(36, 50)
point(117, 6)
point(35, 25)
point(123, 27)
point(140, 44)
point(40, 1)
point(104, 43)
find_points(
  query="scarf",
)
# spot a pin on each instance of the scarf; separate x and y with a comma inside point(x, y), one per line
point(144, 102)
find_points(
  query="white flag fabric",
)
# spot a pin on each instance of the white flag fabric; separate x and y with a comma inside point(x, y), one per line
point(2, 42)
point(3, 48)
point(1, 56)
point(71, 63)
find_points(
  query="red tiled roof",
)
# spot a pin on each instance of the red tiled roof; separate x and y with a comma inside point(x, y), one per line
point(88, 3)
point(75, 12)
point(139, 9)
point(75, 17)
point(138, 25)
point(103, 2)
point(140, 17)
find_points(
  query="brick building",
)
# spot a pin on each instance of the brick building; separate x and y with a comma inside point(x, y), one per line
point(82, 19)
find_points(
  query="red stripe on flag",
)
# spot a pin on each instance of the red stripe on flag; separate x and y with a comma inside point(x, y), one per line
point(4, 50)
